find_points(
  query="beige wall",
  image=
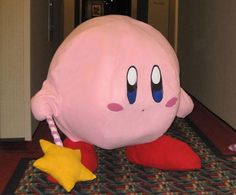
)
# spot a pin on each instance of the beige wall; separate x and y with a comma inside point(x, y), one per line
point(173, 23)
point(14, 69)
point(163, 15)
point(158, 15)
point(207, 53)
point(134, 8)
point(25, 55)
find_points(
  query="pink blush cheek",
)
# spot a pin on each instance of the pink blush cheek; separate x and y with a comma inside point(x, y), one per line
point(115, 107)
point(171, 102)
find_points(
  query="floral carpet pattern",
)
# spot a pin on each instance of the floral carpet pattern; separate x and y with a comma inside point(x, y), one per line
point(115, 175)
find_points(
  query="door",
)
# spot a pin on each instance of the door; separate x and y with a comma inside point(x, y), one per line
point(46, 35)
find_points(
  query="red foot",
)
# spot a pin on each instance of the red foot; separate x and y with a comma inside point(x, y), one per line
point(165, 153)
point(88, 155)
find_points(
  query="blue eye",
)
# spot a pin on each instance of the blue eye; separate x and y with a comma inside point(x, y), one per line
point(132, 78)
point(156, 84)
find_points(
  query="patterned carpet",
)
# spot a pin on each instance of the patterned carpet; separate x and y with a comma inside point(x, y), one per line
point(115, 175)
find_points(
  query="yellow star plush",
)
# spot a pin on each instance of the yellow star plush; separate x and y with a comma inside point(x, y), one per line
point(63, 164)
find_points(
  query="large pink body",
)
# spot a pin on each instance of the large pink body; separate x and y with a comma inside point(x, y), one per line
point(86, 86)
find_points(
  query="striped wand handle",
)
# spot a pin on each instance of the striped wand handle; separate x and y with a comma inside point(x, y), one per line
point(54, 131)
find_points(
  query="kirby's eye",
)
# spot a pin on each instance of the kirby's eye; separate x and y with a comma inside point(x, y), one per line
point(156, 84)
point(132, 78)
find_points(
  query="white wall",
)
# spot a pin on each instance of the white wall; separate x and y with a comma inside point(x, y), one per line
point(207, 54)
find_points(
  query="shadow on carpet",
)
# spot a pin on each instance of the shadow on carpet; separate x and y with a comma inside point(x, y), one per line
point(115, 175)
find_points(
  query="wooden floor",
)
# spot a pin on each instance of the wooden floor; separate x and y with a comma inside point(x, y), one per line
point(214, 130)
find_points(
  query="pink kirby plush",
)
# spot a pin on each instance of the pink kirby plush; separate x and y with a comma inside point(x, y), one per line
point(114, 82)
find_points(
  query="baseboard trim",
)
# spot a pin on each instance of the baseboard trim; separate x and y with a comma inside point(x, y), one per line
point(213, 127)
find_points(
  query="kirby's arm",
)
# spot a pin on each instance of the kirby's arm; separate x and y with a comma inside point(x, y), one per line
point(45, 102)
point(185, 104)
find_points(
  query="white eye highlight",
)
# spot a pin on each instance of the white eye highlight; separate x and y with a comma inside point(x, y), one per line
point(156, 75)
point(132, 76)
